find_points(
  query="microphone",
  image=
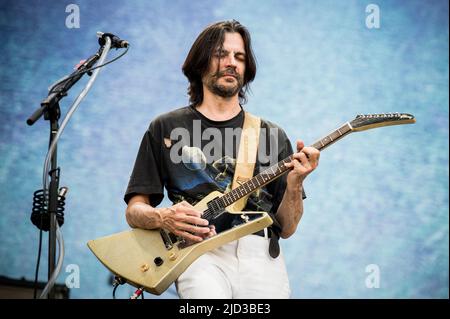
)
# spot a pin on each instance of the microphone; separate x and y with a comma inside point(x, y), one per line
point(116, 42)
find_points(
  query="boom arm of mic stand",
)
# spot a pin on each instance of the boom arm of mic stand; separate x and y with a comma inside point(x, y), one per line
point(60, 90)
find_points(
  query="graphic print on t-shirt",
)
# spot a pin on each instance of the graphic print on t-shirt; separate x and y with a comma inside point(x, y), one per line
point(202, 178)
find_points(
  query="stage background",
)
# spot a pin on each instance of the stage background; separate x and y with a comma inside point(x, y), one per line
point(378, 198)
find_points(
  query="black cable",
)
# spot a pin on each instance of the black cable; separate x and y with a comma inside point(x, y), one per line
point(114, 290)
point(87, 70)
point(36, 274)
point(116, 283)
point(40, 218)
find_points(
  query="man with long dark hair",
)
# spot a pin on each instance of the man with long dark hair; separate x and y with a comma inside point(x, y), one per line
point(190, 152)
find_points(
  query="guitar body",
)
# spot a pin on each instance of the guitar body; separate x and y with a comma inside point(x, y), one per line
point(148, 259)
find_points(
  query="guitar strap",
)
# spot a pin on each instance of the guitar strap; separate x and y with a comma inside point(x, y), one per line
point(245, 166)
point(246, 159)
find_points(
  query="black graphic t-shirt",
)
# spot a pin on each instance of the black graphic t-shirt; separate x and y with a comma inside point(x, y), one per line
point(191, 156)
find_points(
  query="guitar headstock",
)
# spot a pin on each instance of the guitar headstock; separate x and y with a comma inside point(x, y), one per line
point(368, 121)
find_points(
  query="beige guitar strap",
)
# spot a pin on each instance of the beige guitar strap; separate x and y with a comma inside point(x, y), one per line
point(246, 158)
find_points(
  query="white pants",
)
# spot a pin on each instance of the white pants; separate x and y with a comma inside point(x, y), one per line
point(240, 269)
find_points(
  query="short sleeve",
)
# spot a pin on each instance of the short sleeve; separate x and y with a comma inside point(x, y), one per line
point(146, 175)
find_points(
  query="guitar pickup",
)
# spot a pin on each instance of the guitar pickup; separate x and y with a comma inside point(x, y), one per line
point(167, 240)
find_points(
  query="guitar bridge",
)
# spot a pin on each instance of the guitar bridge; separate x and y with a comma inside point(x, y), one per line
point(245, 218)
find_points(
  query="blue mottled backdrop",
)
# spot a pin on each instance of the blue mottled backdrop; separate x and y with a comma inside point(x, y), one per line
point(379, 200)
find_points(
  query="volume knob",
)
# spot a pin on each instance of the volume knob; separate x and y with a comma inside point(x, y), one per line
point(158, 261)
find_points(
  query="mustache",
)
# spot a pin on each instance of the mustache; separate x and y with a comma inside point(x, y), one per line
point(228, 71)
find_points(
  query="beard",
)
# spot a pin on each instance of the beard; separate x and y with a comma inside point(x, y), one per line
point(226, 91)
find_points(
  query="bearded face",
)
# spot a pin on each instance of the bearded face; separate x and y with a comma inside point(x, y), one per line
point(225, 76)
point(226, 83)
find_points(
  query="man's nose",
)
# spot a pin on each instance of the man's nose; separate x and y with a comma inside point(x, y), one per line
point(230, 61)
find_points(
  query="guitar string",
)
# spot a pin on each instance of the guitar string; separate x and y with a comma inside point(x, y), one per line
point(216, 205)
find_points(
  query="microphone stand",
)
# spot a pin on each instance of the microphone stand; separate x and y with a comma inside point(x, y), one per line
point(51, 110)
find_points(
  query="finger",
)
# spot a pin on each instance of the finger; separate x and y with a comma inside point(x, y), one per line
point(289, 164)
point(212, 231)
point(191, 228)
point(195, 220)
point(185, 204)
point(311, 152)
point(190, 211)
point(313, 155)
point(300, 167)
point(188, 236)
point(301, 158)
point(300, 145)
point(211, 234)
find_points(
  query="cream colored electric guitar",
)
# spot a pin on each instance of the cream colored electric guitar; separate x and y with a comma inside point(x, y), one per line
point(153, 259)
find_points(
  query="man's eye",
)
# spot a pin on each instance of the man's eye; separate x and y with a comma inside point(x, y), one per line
point(221, 53)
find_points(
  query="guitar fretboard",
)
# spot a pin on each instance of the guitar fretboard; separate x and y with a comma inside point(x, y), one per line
point(270, 174)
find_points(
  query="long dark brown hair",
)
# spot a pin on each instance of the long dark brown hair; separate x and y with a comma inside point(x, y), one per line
point(199, 58)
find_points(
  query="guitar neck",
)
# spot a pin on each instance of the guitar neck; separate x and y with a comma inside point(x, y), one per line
point(333, 137)
point(275, 171)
